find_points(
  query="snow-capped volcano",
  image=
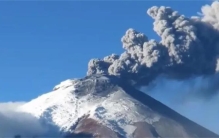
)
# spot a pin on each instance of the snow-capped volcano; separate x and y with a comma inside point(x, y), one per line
point(105, 106)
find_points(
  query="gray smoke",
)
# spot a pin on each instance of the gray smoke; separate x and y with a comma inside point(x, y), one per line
point(210, 14)
point(181, 70)
point(196, 98)
point(188, 47)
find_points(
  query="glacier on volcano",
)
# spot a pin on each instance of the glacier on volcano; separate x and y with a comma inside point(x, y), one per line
point(111, 103)
point(106, 103)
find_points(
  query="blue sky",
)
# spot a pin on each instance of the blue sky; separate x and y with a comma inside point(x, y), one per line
point(44, 43)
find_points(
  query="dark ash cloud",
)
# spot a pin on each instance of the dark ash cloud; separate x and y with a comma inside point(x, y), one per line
point(181, 70)
point(188, 47)
point(195, 98)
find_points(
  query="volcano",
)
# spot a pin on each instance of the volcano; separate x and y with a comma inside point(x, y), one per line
point(104, 106)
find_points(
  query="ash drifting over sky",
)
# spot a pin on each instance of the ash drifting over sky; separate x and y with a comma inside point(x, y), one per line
point(188, 47)
point(181, 70)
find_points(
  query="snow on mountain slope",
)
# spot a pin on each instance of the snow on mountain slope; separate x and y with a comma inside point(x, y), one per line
point(67, 103)
point(59, 107)
point(112, 104)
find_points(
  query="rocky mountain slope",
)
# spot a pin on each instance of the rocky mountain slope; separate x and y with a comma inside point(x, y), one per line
point(107, 106)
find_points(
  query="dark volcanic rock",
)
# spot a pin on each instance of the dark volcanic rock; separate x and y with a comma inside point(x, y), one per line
point(90, 128)
point(144, 130)
point(172, 124)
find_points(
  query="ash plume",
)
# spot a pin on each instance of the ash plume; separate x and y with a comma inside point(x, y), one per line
point(181, 70)
point(195, 98)
point(188, 47)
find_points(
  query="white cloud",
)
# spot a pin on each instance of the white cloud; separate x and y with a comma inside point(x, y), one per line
point(10, 106)
point(14, 122)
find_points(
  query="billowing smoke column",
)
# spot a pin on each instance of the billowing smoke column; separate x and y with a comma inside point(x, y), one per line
point(188, 47)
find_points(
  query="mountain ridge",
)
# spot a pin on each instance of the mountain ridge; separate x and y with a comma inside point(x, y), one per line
point(168, 111)
point(113, 106)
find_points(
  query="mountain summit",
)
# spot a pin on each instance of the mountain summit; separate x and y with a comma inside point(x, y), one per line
point(106, 103)
point(107, 106)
